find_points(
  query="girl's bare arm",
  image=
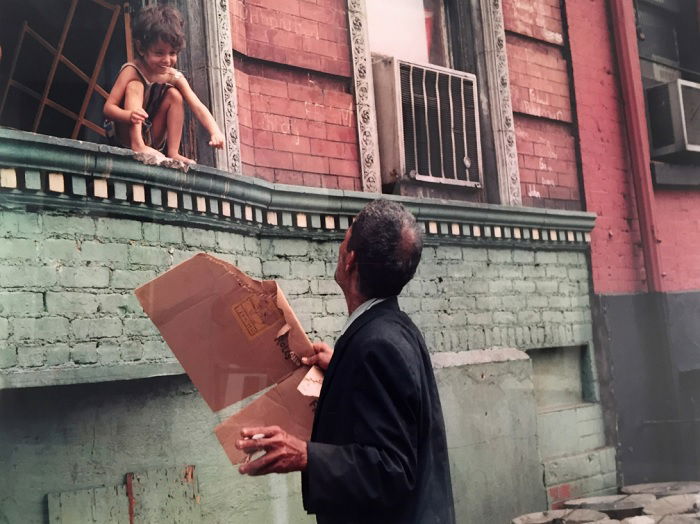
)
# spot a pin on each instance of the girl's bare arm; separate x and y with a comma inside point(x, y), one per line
point(200, 112)
point(112, 108)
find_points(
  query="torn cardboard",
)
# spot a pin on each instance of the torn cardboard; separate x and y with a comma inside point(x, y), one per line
point(235, 336)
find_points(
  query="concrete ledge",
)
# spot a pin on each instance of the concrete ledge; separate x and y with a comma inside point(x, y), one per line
point(85, 374)
point(82, 177)
point(474, 357)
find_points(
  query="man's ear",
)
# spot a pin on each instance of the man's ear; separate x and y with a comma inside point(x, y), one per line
point(350, 262)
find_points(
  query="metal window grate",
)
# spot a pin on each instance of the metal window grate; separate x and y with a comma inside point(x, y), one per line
point(440, 125)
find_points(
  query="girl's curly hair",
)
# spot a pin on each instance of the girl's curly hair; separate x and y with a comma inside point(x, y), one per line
point(159, 22)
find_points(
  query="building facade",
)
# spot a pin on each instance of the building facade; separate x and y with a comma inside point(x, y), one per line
point(503, 125)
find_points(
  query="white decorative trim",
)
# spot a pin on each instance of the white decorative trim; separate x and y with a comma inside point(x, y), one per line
point(364, 97)
point(498, 86)
point(222, 83)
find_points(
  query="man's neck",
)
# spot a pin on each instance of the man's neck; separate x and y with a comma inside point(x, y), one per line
point(354, 301)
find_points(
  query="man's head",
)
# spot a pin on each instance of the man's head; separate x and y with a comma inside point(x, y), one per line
point(383, 246)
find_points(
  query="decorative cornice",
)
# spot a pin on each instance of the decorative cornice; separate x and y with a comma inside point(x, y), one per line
point(80, 177)
point(222, 84)
point(364, 97)
point(501, 108)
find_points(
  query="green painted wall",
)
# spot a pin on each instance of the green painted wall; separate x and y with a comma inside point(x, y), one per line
point(68, 316)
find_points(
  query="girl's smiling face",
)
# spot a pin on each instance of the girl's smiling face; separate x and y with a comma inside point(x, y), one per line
point(159, 57)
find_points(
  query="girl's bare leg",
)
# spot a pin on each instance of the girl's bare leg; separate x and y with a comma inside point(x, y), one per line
point(133, 99)
point(169, 122)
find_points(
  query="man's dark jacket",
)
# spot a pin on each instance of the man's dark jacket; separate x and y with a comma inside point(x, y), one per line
point(378, 451)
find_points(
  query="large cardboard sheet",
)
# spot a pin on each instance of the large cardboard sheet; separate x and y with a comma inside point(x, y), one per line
point(234, 336)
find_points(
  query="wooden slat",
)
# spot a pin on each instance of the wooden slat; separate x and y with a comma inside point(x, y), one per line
point(96, 71)
point(54, 64)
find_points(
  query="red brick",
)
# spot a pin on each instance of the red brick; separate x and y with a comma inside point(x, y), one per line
point(263, 139)
point(338, 99)
point(246, 135)
point(348, 184)
point(247, 154)
point(244, 117)
point(317, 13)
point(327, 148)
point(284, 6)
point(256, 32)
point(306, 94)
point(265, 173)
point(267, 86)
point(270, 122)
point(309, 163)
point(271, 158)
point(283, 176)
point(309, 128)
point(339, 116)
point(286, 107)
point(341, 133)
point(350, 168)
point(313, 180)
point(285, 39)
point(293, 143)
point(266, 51)
point(336, 67)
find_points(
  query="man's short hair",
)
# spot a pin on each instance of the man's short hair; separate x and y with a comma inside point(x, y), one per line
point(387, 243)
point(159, 22)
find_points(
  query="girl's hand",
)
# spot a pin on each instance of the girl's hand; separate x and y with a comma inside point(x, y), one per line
point(138, 116)
point(217, 140)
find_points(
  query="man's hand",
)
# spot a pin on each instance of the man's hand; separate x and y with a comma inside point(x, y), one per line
point(322, 358)
point(283, 452)
point(217, 140)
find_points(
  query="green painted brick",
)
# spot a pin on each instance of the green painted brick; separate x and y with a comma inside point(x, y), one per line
point(68, 226)
point(324, 286)
point(291, 247)
point(450, 253)
point(500, 256)
point(84, 353)
point(149, 256)
point(31, 356)
point(308, 269)
point(156, 350)
point(521, 256)
point(328, 325)
point(84, 277)
point(108, 353)
point(8, 224)
point(132, 351)
point(67, 303)
point(4, 330)
point(18, 303)
point(569, 259)
point(111, 302)
point(294, 286)
point(111, 228)
point(276, 268)
point(96, 328)
point(8, 356)
point(251, 244)
point(251, 265)
point(46, 328)
point(139, 326)
point(545, 257)
point(199, 237)
point(27, 276)
point(94, 251)
point(229, 242)
point(307, 305)
point(124, 279)
point(57, 354)
point(58, 249)
point(500, 286)
point(504, 317)
point(338, 306)
point(18, 248)
point(474, 254)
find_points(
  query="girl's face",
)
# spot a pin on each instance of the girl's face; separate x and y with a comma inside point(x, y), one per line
point(159, 57)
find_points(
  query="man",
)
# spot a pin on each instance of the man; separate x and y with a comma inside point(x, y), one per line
point(377, 451)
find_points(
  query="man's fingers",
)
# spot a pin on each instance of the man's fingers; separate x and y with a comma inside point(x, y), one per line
point(265, 431)
point(310, 361)
point(260, 466)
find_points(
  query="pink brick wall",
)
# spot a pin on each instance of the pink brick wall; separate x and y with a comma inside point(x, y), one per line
point(293, 76)
point(540, 91)
point(617, 262)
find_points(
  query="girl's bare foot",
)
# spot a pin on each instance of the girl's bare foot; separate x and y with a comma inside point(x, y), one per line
point(183, 159)
point(145, 150)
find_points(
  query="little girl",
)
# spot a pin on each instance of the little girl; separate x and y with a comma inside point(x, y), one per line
point(145, 109)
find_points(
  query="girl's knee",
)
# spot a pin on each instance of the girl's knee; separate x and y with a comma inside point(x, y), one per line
point(173, 96)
